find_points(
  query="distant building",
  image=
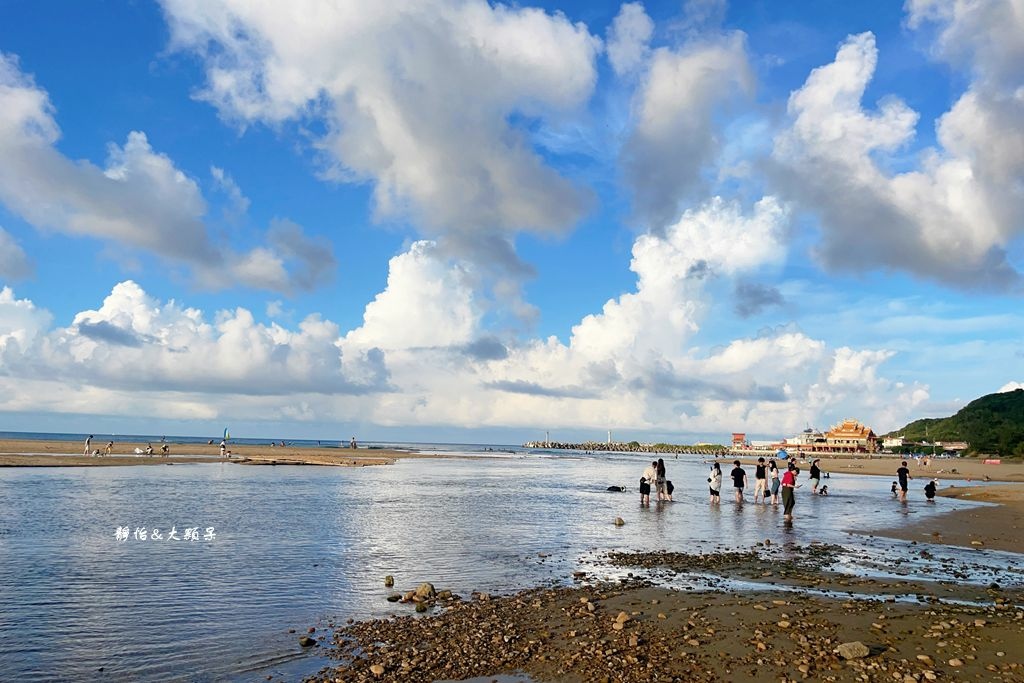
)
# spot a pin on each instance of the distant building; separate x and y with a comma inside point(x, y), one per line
point(739, 439)
point(892, 442)
point(956, 446)
point(850, 436)
point(807, 440)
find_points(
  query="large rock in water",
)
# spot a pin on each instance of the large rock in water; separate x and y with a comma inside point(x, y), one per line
point(426, 591)
point(854, 650)
point(306, 641)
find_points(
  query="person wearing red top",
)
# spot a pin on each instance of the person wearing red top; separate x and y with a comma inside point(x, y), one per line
point(788, 487)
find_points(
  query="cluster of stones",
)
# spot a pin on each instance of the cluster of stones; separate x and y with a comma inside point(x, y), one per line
point(601, 633)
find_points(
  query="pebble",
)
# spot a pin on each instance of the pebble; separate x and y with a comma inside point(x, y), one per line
point(853, 650)
point(377, 670)
point(956, 662)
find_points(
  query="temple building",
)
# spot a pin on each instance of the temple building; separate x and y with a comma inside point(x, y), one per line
point(851, 436)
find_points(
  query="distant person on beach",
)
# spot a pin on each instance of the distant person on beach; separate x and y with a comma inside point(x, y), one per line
point(773, 476)
point(649, 476)
point(815, 475)
point(903, 474)
point(659, 481)
point(109, 448)
point(788, 488)
point(149, 449)
point(223, 447)
point(739, 480)
point(165, 449)
point(761, 481)
point(929, 491)
point(352, 443)
point(715, 484)
point(88, 444)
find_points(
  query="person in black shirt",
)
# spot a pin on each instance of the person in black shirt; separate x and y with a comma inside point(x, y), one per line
point(903, 474)
point(761, 481)
point(929, 491)
point(815, 475)
point(739, 480)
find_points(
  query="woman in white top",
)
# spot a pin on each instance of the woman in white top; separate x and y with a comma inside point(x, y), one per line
point(715, 483)
point(773, 479)
point(648, 480)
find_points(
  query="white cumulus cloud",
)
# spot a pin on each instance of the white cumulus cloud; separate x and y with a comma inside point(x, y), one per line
point(139, 199)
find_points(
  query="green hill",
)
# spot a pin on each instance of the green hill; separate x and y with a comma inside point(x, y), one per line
point(990, 424)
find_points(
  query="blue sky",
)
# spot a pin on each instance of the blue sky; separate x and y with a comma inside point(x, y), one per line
point(469, 221)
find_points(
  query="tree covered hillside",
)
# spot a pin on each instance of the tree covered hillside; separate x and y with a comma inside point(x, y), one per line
point(990, 424)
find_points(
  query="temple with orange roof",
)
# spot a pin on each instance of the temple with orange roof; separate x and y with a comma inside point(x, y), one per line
point(850, 436)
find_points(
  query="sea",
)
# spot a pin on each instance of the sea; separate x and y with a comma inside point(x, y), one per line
point(247, 559)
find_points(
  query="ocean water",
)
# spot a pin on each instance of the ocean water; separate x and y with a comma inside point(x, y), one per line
point(298, 546)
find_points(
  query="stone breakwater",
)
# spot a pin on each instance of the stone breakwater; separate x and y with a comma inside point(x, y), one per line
point(628, 447)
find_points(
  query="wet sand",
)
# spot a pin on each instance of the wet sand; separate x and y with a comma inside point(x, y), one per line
point(641, 631)
point(996, 527)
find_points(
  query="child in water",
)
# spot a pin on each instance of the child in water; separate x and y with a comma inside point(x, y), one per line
point(929, 490)
point(823, 491)
point(895, 489)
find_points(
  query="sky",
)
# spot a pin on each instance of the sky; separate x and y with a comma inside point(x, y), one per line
point(454, 220)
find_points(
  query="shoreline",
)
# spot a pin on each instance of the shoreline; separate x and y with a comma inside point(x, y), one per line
point(943, 469)
point(640, 630)
point(996, 526)
point(28, 453)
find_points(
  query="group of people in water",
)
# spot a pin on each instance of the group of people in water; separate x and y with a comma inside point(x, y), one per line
point(902, 483)
point(769, 482)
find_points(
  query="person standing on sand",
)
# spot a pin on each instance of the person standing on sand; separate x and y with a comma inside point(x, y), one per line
point(788, 488)
point(761, 481)
point(88, 444)
point(773, 475)
point(715, 484)
point(739, 480)
point(815, 475)
point(903, 474)
point(650, 474)
point(660, 479)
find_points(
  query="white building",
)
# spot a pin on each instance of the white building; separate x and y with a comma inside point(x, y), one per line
point(892, 442)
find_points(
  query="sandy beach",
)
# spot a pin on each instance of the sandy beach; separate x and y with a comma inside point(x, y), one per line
point(26, 453)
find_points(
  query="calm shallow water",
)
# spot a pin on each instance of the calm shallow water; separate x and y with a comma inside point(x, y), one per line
point(295, 545)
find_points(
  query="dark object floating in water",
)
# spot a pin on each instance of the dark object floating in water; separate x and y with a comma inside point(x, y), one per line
point(617, 488)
